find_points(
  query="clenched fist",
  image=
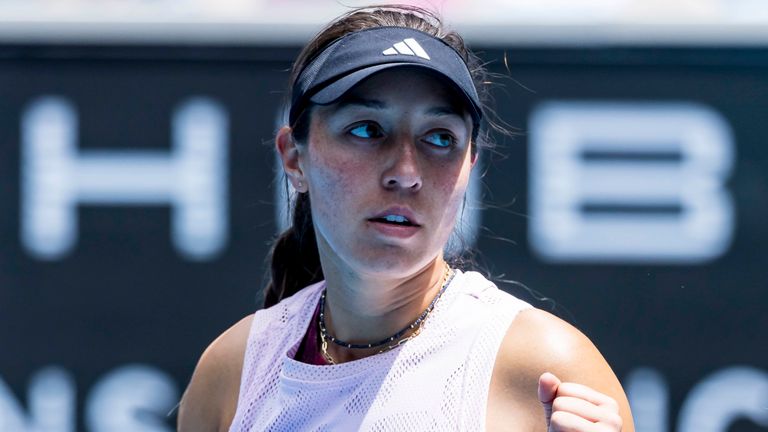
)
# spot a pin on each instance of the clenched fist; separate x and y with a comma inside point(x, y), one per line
point(571, 407)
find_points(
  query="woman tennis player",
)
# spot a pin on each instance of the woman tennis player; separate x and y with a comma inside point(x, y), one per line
point(366, 326)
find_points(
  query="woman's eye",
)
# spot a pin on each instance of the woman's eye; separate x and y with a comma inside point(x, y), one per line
point(440, 139)
point(366, 130)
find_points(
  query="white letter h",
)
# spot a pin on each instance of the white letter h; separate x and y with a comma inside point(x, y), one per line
point(56, 177)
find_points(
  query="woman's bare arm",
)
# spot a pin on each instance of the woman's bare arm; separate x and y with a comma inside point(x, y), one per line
point(210, 401)
point(538, 342)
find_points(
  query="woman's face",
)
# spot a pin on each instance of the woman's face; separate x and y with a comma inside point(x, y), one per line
point(386, 169)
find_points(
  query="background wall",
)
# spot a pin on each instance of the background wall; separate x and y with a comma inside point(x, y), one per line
point(139, 195)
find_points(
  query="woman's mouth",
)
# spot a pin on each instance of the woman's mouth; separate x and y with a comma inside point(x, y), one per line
point(394, 220)
point(393, 225)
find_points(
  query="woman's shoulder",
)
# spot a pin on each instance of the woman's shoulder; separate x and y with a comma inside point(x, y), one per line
point(537, 342)
point(554, 337)
point(210, 401)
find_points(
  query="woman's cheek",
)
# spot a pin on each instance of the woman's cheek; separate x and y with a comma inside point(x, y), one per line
point(452, 193)
point(337, 176)
point(337, 188)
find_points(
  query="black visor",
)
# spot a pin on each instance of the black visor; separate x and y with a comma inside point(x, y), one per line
point(358, 55)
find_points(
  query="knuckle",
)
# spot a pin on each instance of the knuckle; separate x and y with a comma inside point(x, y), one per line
point(558, 419)
point(558, 404)
point(615, 420)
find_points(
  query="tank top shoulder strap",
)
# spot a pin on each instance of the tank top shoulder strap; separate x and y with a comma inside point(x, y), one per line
point(272, 335)
point(493, 311)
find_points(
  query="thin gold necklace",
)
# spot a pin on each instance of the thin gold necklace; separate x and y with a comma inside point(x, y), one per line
point(387, 342)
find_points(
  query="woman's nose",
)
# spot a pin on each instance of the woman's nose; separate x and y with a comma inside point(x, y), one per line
point(403, 170)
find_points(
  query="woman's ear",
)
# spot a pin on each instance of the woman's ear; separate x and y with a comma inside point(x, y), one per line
point(289, 155)
point(474, 153)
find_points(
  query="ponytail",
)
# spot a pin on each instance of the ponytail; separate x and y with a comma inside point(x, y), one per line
point(295, 261)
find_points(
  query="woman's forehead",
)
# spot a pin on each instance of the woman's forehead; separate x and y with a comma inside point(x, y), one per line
point(405, 85)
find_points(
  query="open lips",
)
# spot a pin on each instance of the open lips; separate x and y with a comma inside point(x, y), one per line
point(394, 220)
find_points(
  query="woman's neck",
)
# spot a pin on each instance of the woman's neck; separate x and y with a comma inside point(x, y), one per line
point(364, 309)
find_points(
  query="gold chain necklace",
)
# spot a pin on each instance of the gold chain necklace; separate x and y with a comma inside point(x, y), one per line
point(416, 325)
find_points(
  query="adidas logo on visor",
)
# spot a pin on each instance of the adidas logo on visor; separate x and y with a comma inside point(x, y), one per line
point(407, 47)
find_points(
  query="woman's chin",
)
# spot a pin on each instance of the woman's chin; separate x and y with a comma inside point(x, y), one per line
point(394, 263)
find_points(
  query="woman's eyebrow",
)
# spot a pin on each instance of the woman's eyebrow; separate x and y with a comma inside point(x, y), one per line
point(443, 111)
point(359, 101)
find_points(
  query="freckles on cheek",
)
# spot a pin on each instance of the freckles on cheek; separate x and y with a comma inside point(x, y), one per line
point(334, 177)
point(337, 190)
point(451, 191)
point(331, 164)
point(455, 197)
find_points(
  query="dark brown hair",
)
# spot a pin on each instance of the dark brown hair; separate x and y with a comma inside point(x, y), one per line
point(295, 262)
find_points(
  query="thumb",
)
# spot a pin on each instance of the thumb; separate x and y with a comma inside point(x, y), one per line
point(548, 385)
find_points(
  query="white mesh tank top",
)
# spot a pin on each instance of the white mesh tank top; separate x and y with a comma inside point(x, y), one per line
point(438, 381)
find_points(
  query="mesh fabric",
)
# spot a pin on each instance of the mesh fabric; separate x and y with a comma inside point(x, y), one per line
point(437, 381)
